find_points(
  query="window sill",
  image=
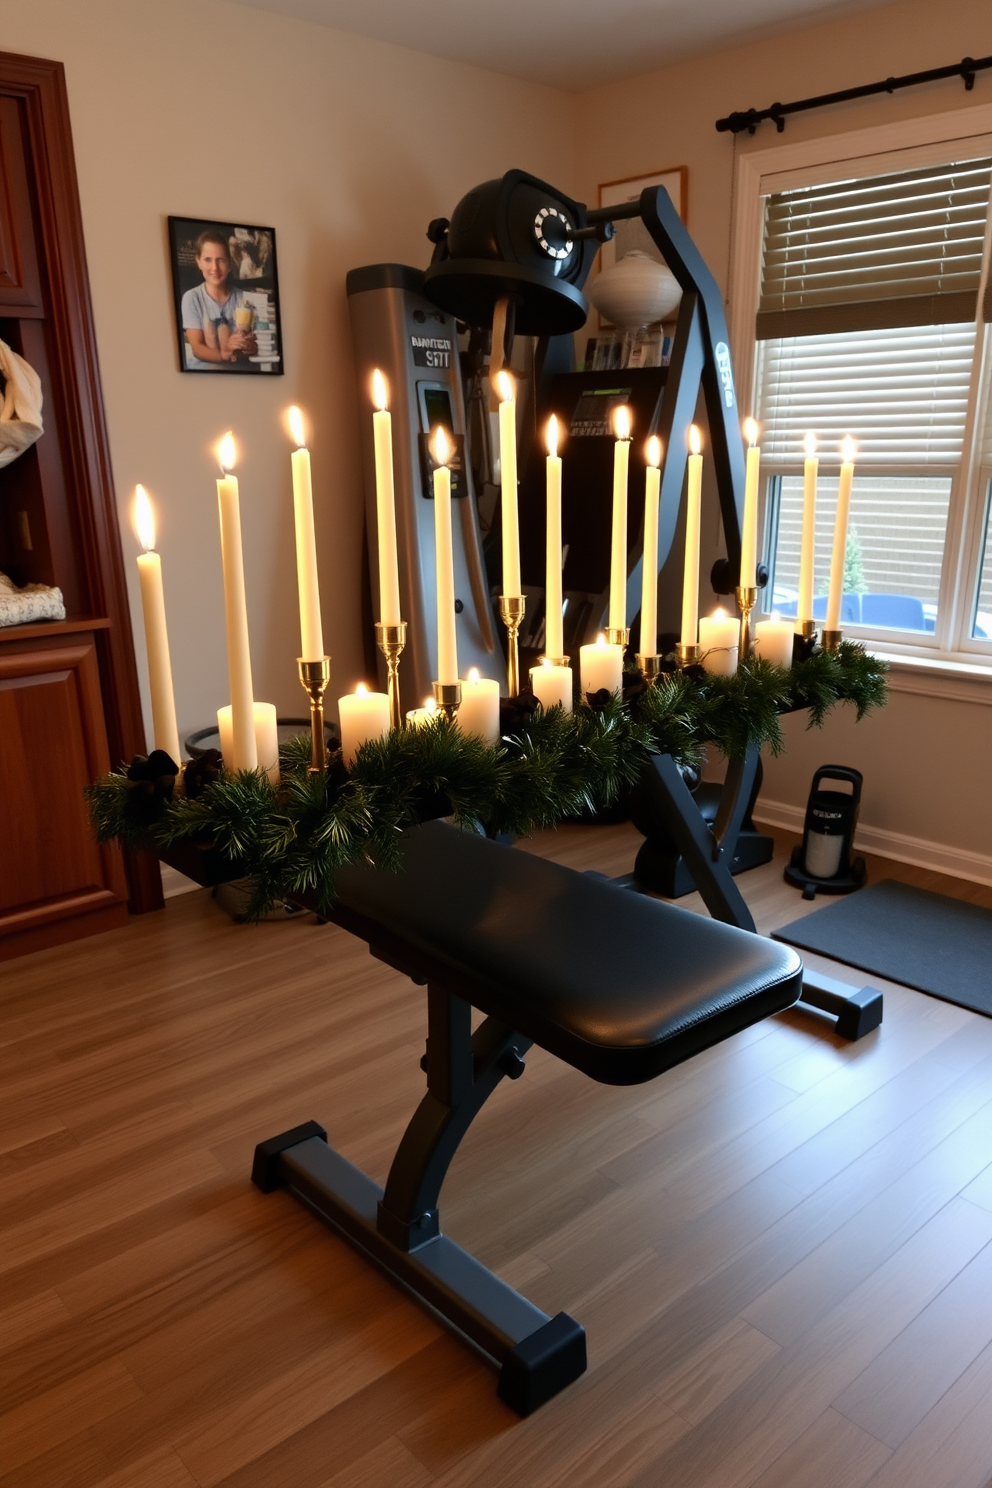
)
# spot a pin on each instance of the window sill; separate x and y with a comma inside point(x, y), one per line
point(963, 681)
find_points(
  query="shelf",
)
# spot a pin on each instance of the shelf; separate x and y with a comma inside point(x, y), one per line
point(42, 629)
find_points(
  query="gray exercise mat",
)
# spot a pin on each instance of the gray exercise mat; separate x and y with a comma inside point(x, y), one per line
point(927, 941)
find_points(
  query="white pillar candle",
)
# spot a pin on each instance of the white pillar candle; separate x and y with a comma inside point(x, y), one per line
point(552, 685)
point(363, 715)
point(508, 483)
point(649, 562)
point(601, 665)
point(165, 732)
point(749, 524)
point(719, 634)
point(690, 579)
point(265, 733)
point(418, 717)
point(554, 640)
point(773, 640)
point(244, 755)
point(618, 546)
point(311, 633)
point(840, 536)
point(807, 552)
point(447, 646)
point(382, 433)
point(479, 710)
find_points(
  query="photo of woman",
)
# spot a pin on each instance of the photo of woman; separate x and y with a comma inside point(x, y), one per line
point(224, 279)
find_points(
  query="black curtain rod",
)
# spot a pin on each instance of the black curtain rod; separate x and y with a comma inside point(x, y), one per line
point(749, 119)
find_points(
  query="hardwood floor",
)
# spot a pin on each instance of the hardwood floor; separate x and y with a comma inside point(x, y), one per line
point(781, 1251)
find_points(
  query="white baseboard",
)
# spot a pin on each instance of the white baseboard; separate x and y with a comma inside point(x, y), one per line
point(938, 856)
point(174, 882)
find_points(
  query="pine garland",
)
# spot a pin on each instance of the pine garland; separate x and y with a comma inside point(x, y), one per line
point(553, 766)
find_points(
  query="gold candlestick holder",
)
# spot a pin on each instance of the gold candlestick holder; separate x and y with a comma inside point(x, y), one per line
point(391, 639)
point(617, 635)
point(314, 677)
point(688, 656)
point(512, 608)
point(746, 599)
point(649, 667)
point(830, 639)
point(448, 696)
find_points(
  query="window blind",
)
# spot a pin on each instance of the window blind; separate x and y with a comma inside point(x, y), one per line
point(894, 250)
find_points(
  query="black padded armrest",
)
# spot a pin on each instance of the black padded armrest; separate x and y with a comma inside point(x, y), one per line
point(618, 985)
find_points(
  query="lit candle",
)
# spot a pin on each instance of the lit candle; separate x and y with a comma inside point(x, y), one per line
point(749, 526)
point(164, 729)
point(447, 646)
point(312, 638)
point(508, 483)
point(382, 432)
point(479, 710)
point(243, 752)
point(690, 580)
point(618, 549)
point(718, 637)
point(552, 685)
point(601, 665)
point(418, 717)
point(265, 730)
point(840, 535)
point(773, 640)
point(554, 641)
point(649, 563)
point(807, 553)
point(363, 715)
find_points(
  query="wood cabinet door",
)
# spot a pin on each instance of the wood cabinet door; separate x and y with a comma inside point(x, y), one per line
point(52, 745)
point(20, 282)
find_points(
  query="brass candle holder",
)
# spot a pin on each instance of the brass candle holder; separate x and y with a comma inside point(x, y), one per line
point(391, 639)
point(314, 677)
point(448, 696)
point(617, 635)
point(512, 608)
point(830, 639)
point(688, 656)
point(649, 668)
point(746, 599)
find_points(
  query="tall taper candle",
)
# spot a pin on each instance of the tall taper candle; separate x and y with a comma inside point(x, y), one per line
point(807, 552)
point(311, 633)
point(618, 547)
point(690, 580)
point(164, 729)
point(749, 523)
point(553, 631)
point(385, 504)
point(508, 483)
point(649, 563)
point(840, 535)
point(447, 646)
point(243, 750)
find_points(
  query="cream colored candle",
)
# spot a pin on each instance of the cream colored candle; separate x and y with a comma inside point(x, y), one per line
point(807, 552)
point(265, 730)
point(447, 646)
point(840, 535)
point(618, 546)
point(363, 715)
point(418, 717)
point(554, 642)
point(552, 685)
point(244, 755)
point(311, 633)
point(749, 525)
point(719, 634)
point(601, 665)
point(164, 729)
point(690, 579)
point(773, 640)
point(508, 483)
point(385, 504)
point(649, 562)
point(479, 710)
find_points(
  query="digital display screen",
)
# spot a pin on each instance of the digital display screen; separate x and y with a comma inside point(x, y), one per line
point(437, 406)
point(593, 416)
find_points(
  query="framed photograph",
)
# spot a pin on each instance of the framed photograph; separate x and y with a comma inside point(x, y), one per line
point(226, 293)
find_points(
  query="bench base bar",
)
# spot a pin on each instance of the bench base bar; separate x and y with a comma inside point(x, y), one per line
point(537, 1355)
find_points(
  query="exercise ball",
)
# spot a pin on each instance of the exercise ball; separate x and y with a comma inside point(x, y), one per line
point(635, 291)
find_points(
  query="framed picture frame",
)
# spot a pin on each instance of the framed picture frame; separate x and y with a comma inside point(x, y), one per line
point(226, 296)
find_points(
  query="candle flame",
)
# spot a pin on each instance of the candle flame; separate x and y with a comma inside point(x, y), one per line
point(654, 451)
point(144, 519)
point(601, 639)
point(809, 445)
point(775, 617)
point(505, 386)
point(621, 422)
point(473, 674)
point(695, 439)
point(361, 690)
point(430, 705)
point(848, 449)
point(380, 392)
point(441, 449)
point(719, 613)
point(546, 661)
point(751, 431)
point(296, 428)
point(551, 437)
point(227, 453)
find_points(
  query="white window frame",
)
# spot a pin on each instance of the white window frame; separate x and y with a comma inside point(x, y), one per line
point(950, 654)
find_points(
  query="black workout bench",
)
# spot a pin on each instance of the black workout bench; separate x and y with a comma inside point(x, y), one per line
point(620, 986)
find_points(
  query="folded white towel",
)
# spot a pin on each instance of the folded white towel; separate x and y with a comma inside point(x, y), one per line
point(20, 416)
point(33, 602)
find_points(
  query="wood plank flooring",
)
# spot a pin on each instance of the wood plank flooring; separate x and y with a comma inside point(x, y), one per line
point(781, 1251)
